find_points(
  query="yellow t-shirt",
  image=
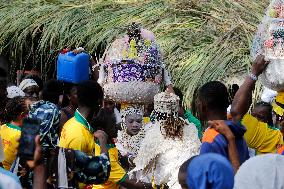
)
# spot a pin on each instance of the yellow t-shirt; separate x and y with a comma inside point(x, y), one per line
point(117, 173)
point(75, 136)
point(10, 135)
point(260, 136)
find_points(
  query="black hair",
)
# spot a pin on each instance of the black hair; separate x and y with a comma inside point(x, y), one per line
point(184, 166)
point(68, 87)
point(213, 96)
point(36, 78)
point(264, 104)
point(233, 90)
point(89, 94)
point(179, 94)
point(14, 107)
point(104, 121)
point(269, 109)
point(51, 91)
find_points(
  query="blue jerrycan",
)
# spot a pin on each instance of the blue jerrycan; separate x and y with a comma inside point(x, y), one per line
point(72, 67)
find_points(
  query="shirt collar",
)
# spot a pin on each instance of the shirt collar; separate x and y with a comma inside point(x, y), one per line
point(12, 126)
point(78, 116)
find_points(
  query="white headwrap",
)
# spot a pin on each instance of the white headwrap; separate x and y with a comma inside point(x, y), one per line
point(127, 144)
point(261, 172)
point(14, 91)
point(268, 95)
point(27, 83)
point(131, 109)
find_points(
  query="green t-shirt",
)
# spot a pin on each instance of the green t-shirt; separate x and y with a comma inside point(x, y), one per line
point(191, 119)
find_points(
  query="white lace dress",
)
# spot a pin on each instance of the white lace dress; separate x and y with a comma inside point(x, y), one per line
point(162, 157)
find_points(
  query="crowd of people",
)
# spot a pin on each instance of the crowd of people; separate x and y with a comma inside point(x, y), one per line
point(88, 144)
point(89, 140)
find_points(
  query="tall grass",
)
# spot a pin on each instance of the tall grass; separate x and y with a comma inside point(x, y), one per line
point(201, 40)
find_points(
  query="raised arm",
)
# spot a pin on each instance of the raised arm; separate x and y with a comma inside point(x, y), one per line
point(243, 97)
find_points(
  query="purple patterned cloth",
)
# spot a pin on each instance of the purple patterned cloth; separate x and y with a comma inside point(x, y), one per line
point(134, 72)
point(128, 72)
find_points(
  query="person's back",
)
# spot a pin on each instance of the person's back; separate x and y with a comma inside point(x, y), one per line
point(168, 142)
point(10, 134)
point(76, 136)
point(77, 133)
point(215, 142)
point(11, 131)
point(212, 103)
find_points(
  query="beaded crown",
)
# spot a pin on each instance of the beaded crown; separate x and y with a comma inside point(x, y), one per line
point(165, 105)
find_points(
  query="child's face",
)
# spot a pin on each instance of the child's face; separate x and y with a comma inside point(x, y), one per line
point(133, 123)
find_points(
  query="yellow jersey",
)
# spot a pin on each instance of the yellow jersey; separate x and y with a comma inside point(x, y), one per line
point(260, 136)
point(117, 173)
point(77, 134)
point(10, 134)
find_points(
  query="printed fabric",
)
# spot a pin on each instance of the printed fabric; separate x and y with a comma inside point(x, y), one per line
point(79, 167)
point(49, 116)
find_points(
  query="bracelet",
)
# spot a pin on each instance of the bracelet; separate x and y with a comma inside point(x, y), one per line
point(253, 77)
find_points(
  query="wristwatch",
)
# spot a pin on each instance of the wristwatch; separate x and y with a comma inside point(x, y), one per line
point(253, 77)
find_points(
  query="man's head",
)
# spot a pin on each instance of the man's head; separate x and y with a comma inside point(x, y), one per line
point(90, 95)
point(51, 91)
point(183, 172)
point(30, 88)
point(213, 98)
point(109, 106)
point(106, 122)
point(263, 112)
point(14, 110)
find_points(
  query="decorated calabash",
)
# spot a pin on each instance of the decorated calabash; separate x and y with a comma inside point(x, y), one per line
point(134, 69)
point(269, 41)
